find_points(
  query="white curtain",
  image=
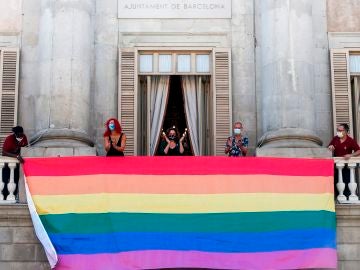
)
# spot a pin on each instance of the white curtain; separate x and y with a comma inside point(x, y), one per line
point(194, 103)
point(158, 100)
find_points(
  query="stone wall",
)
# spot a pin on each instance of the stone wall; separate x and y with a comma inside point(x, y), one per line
point(10, 16)
point(348, 236)
point(343, 16)
point(20, 249)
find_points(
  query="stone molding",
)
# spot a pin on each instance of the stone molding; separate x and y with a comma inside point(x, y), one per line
point(290, 138)
point(14, 215)
point(60, 138)
point(339, 40)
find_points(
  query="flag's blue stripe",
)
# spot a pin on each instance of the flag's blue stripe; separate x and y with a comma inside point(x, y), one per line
point(208, 242)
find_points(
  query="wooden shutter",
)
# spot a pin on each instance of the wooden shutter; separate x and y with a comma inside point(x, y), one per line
point(9, 72)
point(127, 98)
point(222, 99)
point(341, 89)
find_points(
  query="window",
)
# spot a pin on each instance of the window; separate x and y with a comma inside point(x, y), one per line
point(9, 72)
point(202, 63)
point(139, 69)
point(184, 63)
point(354, 63)
point(165, 63)
point(174, 62)
point(345, 73)
point(146, 63)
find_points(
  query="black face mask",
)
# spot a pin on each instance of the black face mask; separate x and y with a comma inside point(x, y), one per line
point(172, 137)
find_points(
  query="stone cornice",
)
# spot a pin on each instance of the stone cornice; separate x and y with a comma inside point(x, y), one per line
point(14, 215)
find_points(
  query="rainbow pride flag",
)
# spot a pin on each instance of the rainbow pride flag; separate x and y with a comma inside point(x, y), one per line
point(98, 213)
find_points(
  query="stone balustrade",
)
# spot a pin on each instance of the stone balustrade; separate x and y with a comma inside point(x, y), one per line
point(9, 164)
point(352, 166)
point(347, 169)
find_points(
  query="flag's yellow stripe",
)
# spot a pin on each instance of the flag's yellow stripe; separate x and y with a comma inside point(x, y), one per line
point(182, 203)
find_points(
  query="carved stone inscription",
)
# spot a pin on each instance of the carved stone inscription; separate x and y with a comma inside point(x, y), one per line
point(174, 9)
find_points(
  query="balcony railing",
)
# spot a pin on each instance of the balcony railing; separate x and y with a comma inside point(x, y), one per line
point(347, 168)
point(352, 165)
point(7, 170)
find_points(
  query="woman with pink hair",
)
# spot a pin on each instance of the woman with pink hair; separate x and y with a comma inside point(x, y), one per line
point(114, 139)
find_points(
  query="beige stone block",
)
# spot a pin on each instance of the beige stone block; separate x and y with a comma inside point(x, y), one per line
point(24, 266)
point(17, 252)
point(348, 235)
point(348, 265)
point(25, 235)
point(348, 252)
point(40, 253)
point(6, 235)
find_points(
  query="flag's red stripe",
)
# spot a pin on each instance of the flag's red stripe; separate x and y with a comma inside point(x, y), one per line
point(177, 166)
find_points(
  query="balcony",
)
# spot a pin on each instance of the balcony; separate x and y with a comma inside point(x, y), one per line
point(8, 167)
point(347, 169)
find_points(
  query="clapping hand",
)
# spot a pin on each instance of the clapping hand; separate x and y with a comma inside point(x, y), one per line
point(183, 136)
point(165, 137)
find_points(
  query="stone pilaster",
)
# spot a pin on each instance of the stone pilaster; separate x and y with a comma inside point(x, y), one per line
point(65, 68)
point(287, 75)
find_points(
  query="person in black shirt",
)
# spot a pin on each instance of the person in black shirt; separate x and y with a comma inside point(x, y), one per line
point(171, 145)
point(114, 138)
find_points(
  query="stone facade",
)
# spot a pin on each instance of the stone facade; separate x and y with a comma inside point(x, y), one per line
point(69, 83)
point(69, 75)
point(280, 64)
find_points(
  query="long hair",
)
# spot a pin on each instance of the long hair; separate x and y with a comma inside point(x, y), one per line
point(118, 128)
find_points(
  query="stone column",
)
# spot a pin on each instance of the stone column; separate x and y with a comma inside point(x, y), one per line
point(66, 42)
point(287, 74)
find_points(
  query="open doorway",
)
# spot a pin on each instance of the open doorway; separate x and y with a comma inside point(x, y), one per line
point(182, 101)
point(175, 112)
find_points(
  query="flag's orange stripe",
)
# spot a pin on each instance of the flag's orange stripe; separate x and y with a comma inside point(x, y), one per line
point(177, 184)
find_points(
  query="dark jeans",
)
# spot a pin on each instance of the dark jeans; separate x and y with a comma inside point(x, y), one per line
point(346, 180)
point(6, 179)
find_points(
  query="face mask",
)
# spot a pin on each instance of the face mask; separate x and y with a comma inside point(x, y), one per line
point(339, 134)
point(237, 131)
point(112, 126)
point(19, 139)
point(172, 137)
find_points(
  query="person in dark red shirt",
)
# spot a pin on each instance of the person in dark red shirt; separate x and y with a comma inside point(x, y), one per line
point(13, 143)
point(342, 145)
point(12, 148)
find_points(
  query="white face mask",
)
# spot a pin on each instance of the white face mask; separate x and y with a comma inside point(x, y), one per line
point(19, 139)
point(339, 134)
point(237, 131)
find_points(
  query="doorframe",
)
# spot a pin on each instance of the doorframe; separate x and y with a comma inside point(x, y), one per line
point(174, 51)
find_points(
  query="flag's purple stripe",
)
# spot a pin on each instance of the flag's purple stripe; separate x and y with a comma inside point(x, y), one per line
point(154, 259)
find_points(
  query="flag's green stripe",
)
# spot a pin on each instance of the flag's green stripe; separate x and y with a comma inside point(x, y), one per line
point(223, 222)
